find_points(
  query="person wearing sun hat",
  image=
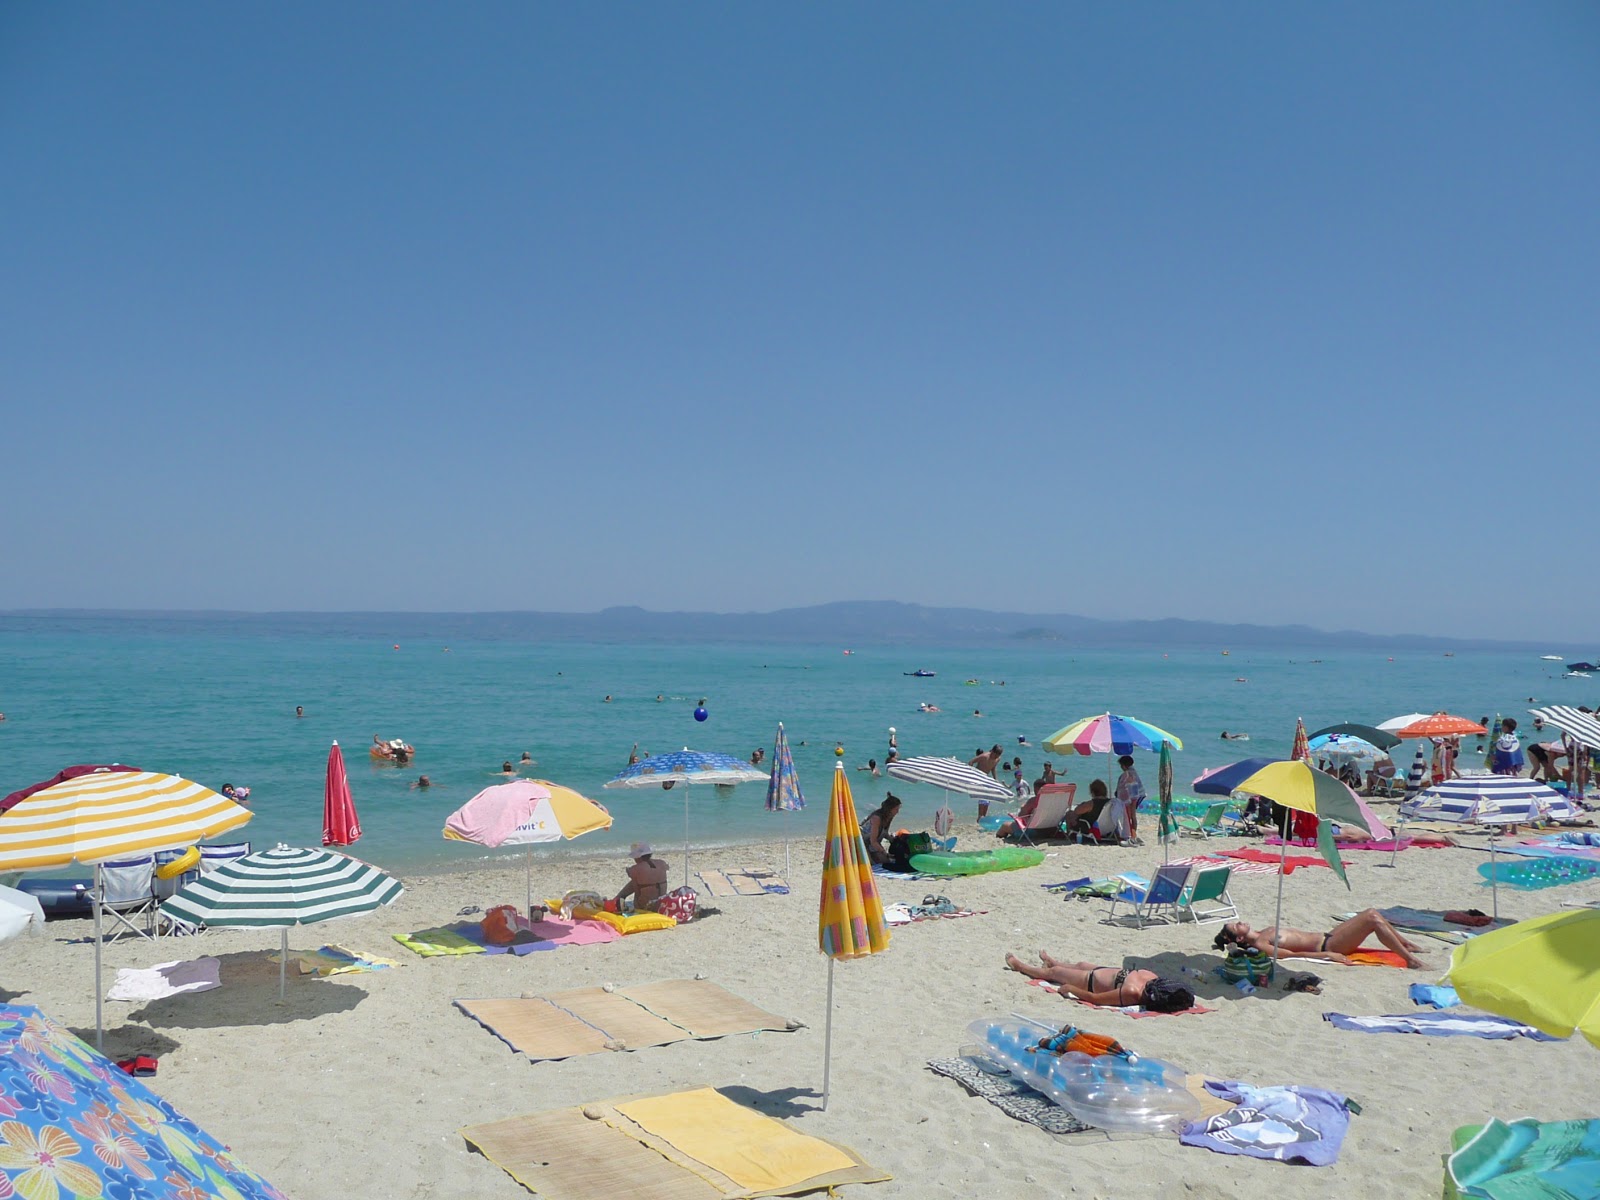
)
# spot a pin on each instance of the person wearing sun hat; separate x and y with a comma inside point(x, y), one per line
point(647, 877)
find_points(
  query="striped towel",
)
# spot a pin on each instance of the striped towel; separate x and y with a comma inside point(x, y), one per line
point(1440, 1024)
point(1240, 867)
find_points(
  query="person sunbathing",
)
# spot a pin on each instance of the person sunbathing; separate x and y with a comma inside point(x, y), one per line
point(1343, 940)
point(1115, 987)
point(647, 878)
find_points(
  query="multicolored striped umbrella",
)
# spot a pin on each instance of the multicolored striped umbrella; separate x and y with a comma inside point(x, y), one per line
point(850, 916)
point(783, 788)
point(525, 812)
point(340, 825)
point(1301, 750)
point(106, 815)
point(1109, 733)
point(281, 888)
point(687, 767)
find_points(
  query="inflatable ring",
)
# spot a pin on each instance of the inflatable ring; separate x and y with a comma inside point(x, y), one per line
point(186, 861)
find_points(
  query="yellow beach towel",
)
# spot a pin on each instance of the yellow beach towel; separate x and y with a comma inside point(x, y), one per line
point(431, 943)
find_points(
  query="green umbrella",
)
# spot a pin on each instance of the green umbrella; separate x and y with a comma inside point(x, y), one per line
point(1164, 791)
point(277, 889)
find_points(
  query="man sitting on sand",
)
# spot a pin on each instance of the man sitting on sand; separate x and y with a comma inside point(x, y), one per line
point(1115, 987)
point(1343, 940)
point(647, 878)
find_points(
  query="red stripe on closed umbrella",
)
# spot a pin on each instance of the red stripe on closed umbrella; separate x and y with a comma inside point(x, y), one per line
point(340, 825)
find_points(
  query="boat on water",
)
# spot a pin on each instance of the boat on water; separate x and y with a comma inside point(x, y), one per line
point(920, 674)
point(1582, 666)
point(1576, 675)
point(1551, 657)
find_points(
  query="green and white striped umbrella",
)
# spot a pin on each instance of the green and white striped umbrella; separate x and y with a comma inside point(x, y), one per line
point(277, 889)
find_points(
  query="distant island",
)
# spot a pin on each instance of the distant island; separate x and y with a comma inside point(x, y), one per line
point(845, 623)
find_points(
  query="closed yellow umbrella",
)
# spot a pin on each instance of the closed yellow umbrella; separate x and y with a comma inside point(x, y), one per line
point(850, 917)
point(99, 817)
point(1544, 972)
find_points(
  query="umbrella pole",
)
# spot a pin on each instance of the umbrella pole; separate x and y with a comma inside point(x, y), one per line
point(827, 1039)
point(1277, 920)
point(1494, 878)
point(283, 965)
point(528, 855)
point(786, 813)
point(685, 833)
point(99, 992)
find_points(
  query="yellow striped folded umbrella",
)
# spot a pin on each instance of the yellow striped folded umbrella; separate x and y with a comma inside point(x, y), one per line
point(96, 818)
point(850, 920)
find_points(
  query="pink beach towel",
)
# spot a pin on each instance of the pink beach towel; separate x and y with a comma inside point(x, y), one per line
point(569, 933)
point(1131, 1010)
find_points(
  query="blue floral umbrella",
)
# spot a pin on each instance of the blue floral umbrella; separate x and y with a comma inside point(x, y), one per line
point(74, 1124)
point(783, 788)
point(687, 767)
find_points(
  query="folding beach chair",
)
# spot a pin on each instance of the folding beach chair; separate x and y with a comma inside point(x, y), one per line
point(1160, 899)
point(166, 889)
point(1206, 825)
point(1051, 807)
point(1209, 887)
point(128, 897)
point(1084, 827)
point(212, 857)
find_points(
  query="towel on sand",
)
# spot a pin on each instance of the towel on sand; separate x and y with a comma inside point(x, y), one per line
point(1289, 1124)
point(1440, 1024)
point(1132, 1010)
point(166, 979)
point(336, 960)
point(1252, 855)
point(1434, 995)
point(1010, 1095)
point(440, 940)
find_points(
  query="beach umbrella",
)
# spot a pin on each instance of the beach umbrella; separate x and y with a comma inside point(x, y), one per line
point(1381, 738)
point(1299, 786)
point(340, 825)
point(1301, 750)
point(105, 815)
point(1345, 747)
point(1109, 733)
point(525, 812)
point(76, 1126)
point(783, 788)
point(1544, 972)
point(1394, 724)
point(950, 775)
point(1440, 724)
point(687, 767)
point(850, 916)
point(282, 888)
point(1417, 775)
point(20, 912)
point(1492, 801)
point(1580, 727)
point(62, 776)
point(1164, 793)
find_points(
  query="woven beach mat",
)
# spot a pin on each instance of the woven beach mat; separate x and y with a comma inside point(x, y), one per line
point(705, 1009)
point(692, 1145)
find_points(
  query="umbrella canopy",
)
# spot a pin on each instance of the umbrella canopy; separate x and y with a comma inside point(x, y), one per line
point(1301, 750)
point(1544, 972)
point(1345, 747)
point(281, 888)
point(1224, 781)
point(1488, 800)
point(850, 915)
point(340, 825)
point(783, 786)
point(1381, 738)
point(20, 912)
point(525, 812)
point(1394, 724)
point(1440, 724)
point(1164, 792)
point(950, 775)
point(1109, 733)
point(1417, 775)
point(686, 766)
point(77, 1126)
point(99, 817)
point(62, 776)
point(1581, 726)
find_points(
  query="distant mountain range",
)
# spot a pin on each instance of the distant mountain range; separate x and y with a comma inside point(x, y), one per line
point(845, 623)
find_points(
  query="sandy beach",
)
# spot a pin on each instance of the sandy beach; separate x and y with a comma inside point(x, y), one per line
point(358, 1085)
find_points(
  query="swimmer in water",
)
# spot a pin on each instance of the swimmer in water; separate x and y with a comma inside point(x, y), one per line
point(299, 710)
point(527, 760)
point(507, 769)
point(422, 782)
point(633, 755)
point(608, 698)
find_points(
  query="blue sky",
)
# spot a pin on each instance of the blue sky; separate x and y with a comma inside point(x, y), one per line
point(1242, 312)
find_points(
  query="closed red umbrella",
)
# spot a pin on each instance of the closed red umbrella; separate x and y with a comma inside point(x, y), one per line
point(340, 825)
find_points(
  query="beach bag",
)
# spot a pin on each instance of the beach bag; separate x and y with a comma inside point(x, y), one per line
point(680, 905)
point(1166, 996)
point(1254, 965)
point(499, 925)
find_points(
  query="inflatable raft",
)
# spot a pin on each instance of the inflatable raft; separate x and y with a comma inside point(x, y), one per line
point(977, 862)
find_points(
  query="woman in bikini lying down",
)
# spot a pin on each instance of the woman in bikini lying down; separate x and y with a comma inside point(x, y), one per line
point(1114, 987)
point(1336, 945)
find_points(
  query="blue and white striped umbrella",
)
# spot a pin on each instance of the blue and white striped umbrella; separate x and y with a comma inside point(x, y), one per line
point(687, 767)
point(280, 888)
point(1417, 776)
point(1488, 800)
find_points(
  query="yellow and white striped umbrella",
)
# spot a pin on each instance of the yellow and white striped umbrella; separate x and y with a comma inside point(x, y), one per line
point(100, 817)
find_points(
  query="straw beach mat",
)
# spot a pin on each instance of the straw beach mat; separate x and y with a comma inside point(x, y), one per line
point(693, 1145)
point(587, 1020)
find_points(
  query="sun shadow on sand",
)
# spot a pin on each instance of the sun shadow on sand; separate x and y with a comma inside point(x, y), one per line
point(777, 1103)
point(249, 996)
point(1206, 985)
point(126, 1041)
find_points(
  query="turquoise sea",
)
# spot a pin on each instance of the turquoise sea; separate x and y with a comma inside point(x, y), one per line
point(214, 700)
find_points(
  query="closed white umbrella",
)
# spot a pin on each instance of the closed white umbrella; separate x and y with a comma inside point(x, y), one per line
point(19, 913)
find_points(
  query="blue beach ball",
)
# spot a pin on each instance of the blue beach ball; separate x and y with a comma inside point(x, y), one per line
point(700, 713)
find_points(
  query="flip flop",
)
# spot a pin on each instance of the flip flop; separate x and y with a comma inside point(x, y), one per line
point(141, 1064)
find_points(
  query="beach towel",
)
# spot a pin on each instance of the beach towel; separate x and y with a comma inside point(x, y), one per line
point(1527, 1159)
point(907, 914)
point(1240, 866)
point(1440, 1024)
point(1131, 1010)
point(646, 1146)
point(1434, 995)
point(1070, 885)
point(1288, 1124)
point(1010, 1095)
point(335, 960)
point(885, 873)
point(744, 881)
point(1266, 859)
point(567, 933)
point(166, 979)
point(431, 943)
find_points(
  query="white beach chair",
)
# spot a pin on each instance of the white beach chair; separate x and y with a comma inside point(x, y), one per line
point(128, 897)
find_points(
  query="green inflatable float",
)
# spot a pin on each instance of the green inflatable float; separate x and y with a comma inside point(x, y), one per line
point(977, 862)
